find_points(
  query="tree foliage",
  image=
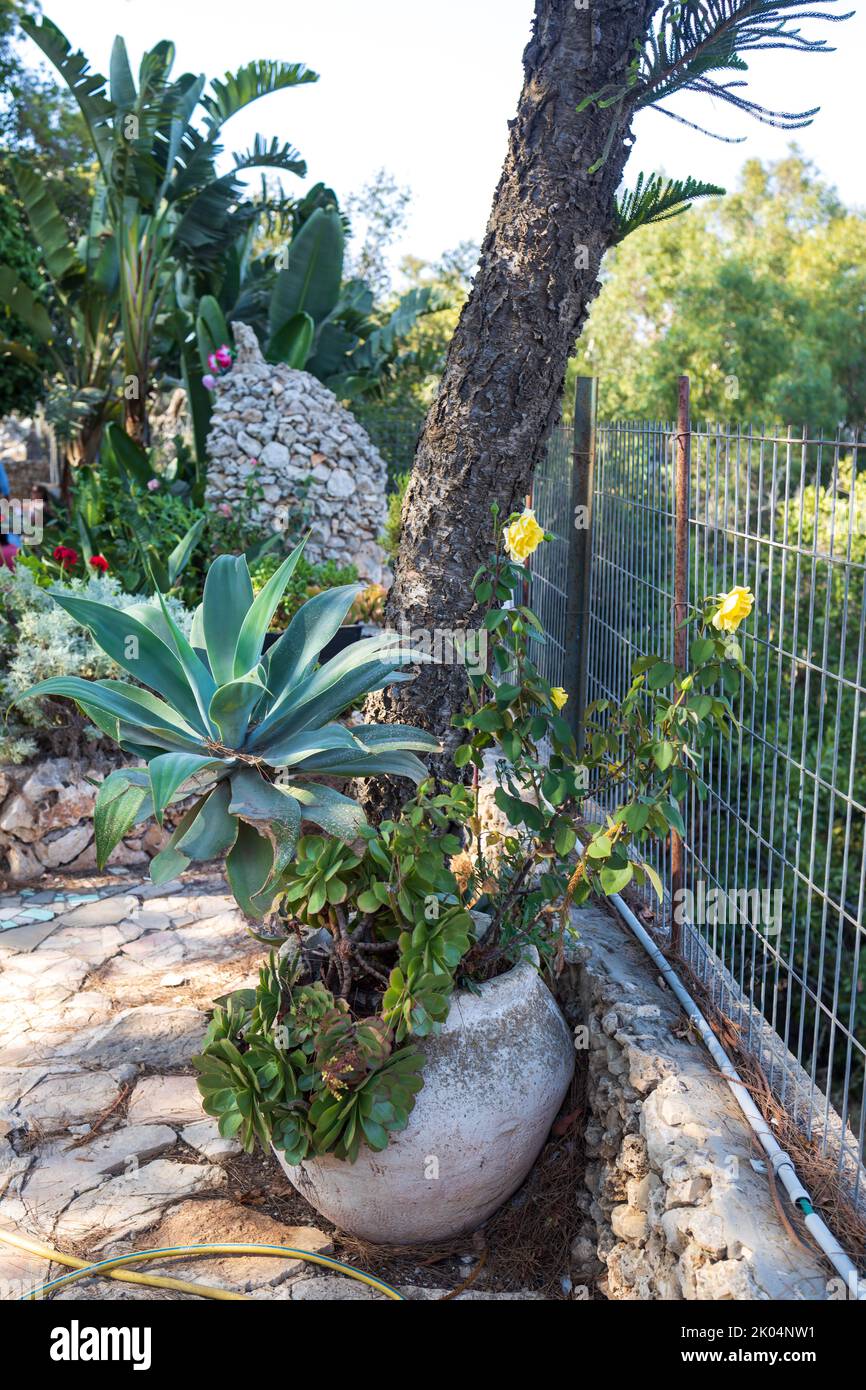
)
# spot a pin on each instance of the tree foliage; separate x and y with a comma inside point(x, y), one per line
point(759, 298)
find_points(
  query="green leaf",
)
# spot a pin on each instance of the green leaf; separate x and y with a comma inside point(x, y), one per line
point(213, 831)
point(659, 675)
point(292, 342)
point(614, 880)
point(228, 597)
point(257, 621)
point(132, 643)
point(663, 755)
point(22, 303)
point(311, 283)
point(248, 868)
point(232, 705)
point(118, 803)
point(655, 881)
point(169, 771)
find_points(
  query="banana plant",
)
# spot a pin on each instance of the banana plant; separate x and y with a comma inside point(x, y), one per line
point(251, 735)
point(156, 144)
point(327, 327)
point(76, 317)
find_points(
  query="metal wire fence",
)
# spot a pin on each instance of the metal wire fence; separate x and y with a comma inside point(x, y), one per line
point(774, 859)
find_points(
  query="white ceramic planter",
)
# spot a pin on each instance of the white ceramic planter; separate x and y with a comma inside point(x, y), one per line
point(493, 1083)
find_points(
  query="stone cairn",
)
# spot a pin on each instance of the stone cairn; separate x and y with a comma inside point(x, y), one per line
point(285, 427)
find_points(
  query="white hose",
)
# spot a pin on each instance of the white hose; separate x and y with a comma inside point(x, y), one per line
point(781, 1162)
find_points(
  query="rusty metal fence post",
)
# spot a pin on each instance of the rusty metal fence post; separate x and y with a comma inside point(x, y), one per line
point(580, 553)
point(681, 601)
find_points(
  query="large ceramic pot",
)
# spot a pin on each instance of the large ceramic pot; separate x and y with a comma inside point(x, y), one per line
point(493, 1082)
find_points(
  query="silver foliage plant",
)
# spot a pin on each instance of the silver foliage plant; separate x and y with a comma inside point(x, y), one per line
point(250, 734)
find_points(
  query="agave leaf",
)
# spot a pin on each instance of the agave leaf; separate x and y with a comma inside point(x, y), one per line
point(317, 699)
point(392, 763)
point(169, 771)
point(257, 621)
point(386, 647)
point(180, 556)
point(198, 675)
point(135, 647)
point(334, 813)
point(269, 808)
point(228, 597)
point(145, 712)
point(170, 861)
point(391, 736)
point(214, 831)
point(315, 623)
point(118, 803)
point(248, 865)
point(296, 747)
point(232, 705)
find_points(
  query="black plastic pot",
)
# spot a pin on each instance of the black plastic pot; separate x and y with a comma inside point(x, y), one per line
point(344, 637)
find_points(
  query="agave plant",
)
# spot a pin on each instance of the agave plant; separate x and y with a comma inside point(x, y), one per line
point(250, 734)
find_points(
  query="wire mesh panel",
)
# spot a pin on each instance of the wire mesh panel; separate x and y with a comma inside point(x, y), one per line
point(395, 434)
point(551, 493)
point(772, 910)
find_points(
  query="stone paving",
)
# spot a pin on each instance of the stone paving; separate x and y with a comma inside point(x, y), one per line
point(105, 987)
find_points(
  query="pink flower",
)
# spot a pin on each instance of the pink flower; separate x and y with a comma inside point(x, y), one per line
point(208, 382)
point(212, 362)
point(223, 356)
point(254, 463)
point(224, 509)
point(153, 485)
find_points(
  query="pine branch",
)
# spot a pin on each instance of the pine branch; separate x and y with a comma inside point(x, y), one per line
point(657, 200)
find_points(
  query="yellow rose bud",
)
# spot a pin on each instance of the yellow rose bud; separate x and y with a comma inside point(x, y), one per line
point(523, 536)
point(559, 696)
point(733, 608)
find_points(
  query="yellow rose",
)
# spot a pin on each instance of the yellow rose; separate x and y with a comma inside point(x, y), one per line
point(523, 536)
point(559, 696)
point(733, 608)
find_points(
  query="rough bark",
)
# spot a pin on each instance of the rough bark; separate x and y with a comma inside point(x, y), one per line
point(501, 389)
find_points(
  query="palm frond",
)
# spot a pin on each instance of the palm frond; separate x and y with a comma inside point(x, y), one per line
point(248, 84)
point(262, 155)
point(655, 199)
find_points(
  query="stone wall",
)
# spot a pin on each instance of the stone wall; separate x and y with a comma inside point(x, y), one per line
point(284, 427)
point(677, 1203)
point(46, 820)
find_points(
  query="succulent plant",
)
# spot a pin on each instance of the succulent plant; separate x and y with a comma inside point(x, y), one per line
point(250, 734)
point(287, 1064)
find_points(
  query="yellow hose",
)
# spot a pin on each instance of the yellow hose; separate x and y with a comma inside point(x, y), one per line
point(113, 1268)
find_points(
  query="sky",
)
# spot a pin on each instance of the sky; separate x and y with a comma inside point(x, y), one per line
point(426, 92)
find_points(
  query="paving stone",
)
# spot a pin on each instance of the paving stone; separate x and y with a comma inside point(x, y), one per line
point(115, 1291)
point(13, 1167)
point(332, 1288)
point(156, 1035)
point(66, 974)
point(93, 944)
point(172, 1100)
point(67, 1099)
point(105, 912)
point(131, 1203)
point(62, 1173)
point(204, 1136)
point(20, 1273)
point(27, 938)
point(206, 1221)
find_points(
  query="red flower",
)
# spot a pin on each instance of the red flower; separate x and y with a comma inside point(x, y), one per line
point(99, 563)
point(66, 557)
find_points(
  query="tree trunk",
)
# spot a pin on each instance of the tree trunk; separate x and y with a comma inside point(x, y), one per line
point(501, 389)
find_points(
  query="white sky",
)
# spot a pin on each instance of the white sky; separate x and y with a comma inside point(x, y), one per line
point(426, 90)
